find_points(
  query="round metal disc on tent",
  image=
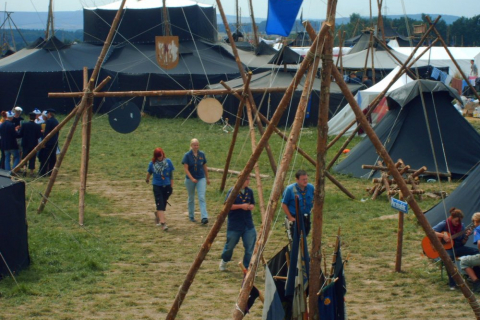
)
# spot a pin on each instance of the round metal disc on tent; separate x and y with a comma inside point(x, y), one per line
point(210, 110)
point(125, 117)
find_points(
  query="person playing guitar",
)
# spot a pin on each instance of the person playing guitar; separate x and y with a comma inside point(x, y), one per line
point(451, 226)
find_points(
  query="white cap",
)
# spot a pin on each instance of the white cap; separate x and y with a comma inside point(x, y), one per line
point(44, 113)
point(10, 114)
point(17, 108)
point(36, 111)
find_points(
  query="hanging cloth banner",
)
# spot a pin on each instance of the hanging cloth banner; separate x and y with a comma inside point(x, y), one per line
point(281, 16)
point(167, 51)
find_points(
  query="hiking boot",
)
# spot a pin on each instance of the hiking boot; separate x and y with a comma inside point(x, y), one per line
point(204, 221)
point(476, 286)
point(222, 266)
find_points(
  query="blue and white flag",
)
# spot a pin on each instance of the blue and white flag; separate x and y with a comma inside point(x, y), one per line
point(272, 306)
point(281, 16)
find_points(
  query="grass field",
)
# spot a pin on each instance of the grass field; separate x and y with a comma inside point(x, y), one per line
point(121, 266)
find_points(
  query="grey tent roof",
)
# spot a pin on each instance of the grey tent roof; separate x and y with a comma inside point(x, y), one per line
point(465, 197)
point(405, 135)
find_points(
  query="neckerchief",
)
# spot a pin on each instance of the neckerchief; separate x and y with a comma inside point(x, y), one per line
point(159, 167)
point(244, 196)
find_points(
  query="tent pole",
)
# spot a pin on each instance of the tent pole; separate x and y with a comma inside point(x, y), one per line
point(205, 248)
point(297, 148)
point(320, 169)
point(439, 36)
point(235, 133)
point(408, 196)
point(279, 180)
point(373, 60)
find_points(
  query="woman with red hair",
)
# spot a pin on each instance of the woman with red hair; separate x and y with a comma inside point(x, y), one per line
point(162, 170)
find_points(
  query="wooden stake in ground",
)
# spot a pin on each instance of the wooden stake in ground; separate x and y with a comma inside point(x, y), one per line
point(205, 248)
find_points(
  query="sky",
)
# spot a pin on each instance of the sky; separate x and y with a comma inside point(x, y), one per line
point(312, 9)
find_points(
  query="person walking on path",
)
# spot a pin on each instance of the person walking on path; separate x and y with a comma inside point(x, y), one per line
point(30, 132)
point(162, 170)
point(240, 225)
point(196, 177)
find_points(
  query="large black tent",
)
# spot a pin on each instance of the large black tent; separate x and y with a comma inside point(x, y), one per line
point(407, 135)
point(268, 104)
point(13, 226)
point(465, 197)
point(27, 76)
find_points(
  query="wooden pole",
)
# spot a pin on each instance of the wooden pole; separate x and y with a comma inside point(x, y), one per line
point(84, 157)
point(250, 106)
point(373, 60)
point(409, 198)
point(234, 137)
point(161, 93)
point(297, 148)
point(88, 99)
point(439, 36)
point(278, 185)
point(205, 248)
point(320, 169)
point(398, 259)
point(166, 22)
point(254, 25)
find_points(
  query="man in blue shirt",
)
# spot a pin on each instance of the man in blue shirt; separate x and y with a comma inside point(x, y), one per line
point(240, 225)
point(469, 262)
point(304, 191)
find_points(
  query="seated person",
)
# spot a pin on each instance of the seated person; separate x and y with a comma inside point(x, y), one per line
point(469, 262)
point(353, 78)
point(367, 82)
point(446, 229)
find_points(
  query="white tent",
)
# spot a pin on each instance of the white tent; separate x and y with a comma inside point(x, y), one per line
point(382, 60)
point(438, 57)
point(364, 98)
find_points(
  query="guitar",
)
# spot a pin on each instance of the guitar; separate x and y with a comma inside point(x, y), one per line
point(430, 251)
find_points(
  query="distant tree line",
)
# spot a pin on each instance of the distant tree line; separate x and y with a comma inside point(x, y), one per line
point(463, 32)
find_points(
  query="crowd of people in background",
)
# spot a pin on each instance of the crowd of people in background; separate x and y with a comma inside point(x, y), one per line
point(19, 139)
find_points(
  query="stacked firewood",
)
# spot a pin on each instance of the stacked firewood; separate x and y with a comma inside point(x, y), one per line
point(387, 184)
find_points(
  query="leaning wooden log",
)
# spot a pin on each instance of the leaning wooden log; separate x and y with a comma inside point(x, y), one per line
point(418, 191)
point(261, 296)
point(381, 189)
point(419, 172)
point(386, 183)
point(235, 172)
point(390, 181)
point(428, 173)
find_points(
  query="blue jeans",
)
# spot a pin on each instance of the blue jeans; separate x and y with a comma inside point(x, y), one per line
point(201, 187)
point(249, 236)
point(16, 158)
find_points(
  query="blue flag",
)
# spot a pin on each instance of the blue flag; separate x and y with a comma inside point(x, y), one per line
point(281, 16)
point(272, 307)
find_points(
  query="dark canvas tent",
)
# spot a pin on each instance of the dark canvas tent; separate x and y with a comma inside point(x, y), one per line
point(268, 104)
point(465, 197)
point(405, 135)
point(28, 76)
point(13, 226)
